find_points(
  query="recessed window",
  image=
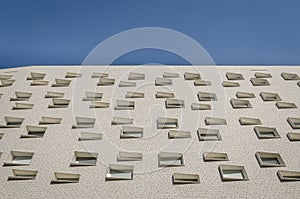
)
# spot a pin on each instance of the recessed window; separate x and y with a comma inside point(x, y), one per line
point(288, 175)
point(121, 121)
point(185, 178)
point(262, 75)
point(249, 121)
point(233, 173)
point(234, 76)
point(298, 83)
point(293, 136)
point(191, 76)
point(59, 103)
point(174, 103)
point(84, 159)
point(285, 105)
point(99, 75)
point(49, 120)
point(6, 82)
point(174, 134)
point(84, 122)
point(129, 156)
point(170, 75)
point(290, 76)
point(12, 122)
point(197, 106)
point(244, 95)
point(95, 104)
point(60, 178)
point(131, 132)
point(208, 134)
point(1, 136)
point(127, 84)
point(161, 94)
point(199, 82)
point(230, 84)
point(19, 158)
point(119, 172)
point(131, 94)
point(167, 159)
point(21, 96)
point(18, 174)
point(259, 82)
point(34, 132)
point(61, 83)
point(205, 96)
point(167, 123)
point(73, 75)
point(215, 156)
point(22, 106)
point(215, 121)
point(237, 103)
point(105, 81)
point(87, 136)
point(270, 96)
point(92, 96)
point(51, 94)
point(36, 76)
point(39, 83)
point(136, 76)
point(124, 105)
point(4, 77)
point(266, 132)
point(266, 159)
point(294, 122)
point(163, 81)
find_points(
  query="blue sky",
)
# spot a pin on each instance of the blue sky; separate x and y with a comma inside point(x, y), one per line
point(36, 32)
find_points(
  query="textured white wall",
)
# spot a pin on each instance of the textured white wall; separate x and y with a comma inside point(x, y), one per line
point(55, 151)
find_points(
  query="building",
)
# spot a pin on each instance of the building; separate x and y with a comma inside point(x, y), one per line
point(150, 131)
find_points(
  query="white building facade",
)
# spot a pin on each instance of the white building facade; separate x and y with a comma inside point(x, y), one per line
point(150, 132)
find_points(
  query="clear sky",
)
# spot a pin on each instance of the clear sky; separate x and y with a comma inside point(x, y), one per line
point(35, 32)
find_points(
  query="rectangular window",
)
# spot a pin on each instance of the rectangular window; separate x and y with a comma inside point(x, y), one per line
point(288, 175)
point(208, 134)
point(170, 75)
point(92, 96)
point(191, 76)
point(199, 82)
point(215, 156)
point(105, 81)
point(119, 172)
point(36, 76)
point(174, 103)
point(131, 132)
point(174, 134)
point(233, 173)
point(249, 121)
point(266, 159)
point(87, 136)
point(285, 105)
point(167, 159)
point(12, 122)
point(270, 96)
point(60, 178)
point(167, 123)
point(244, 95)
point(129, 156)
point(121, 121)
point(185, 178)
point(49, 120)
point(290, 76)
point(262, 75)
point(237, 103)
point(215, 121)
point(19, 158)
point(205, 96)
point(124, 105)
point(59, 103)
point(34, 132)
point(84, 159)
point(19, 174)
point(95, 104)
point(22, 106)
point(294, 122)
point(73, 75)
point(230, 84)
point(84, 122)
point(163, 81)
point(197, 106)
point(51, 94)
point(266, 132)
point(234, 76)
point(61, 83)
point(161, 94)
point(39, 83)
point(130, 94)
point(127, 84)
point(21, 96)
point(293, 136)
point(99, 75)
point(136, 76)
point(259, 82)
